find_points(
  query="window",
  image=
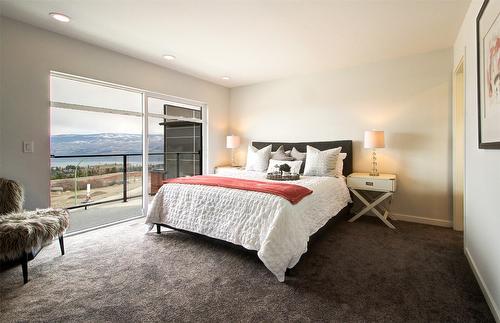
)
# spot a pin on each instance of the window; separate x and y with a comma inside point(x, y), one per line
point(99, 138)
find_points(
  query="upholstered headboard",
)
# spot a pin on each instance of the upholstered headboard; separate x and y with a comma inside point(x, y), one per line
point(321, 145)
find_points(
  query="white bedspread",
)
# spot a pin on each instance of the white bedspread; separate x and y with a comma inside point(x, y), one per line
point(278, 230)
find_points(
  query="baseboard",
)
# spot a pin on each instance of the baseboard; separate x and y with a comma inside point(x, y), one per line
point(419, 219)
point(484, 288)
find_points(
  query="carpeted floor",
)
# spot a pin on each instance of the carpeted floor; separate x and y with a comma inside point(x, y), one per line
point(354, 272)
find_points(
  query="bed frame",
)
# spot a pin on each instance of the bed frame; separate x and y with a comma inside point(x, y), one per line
point(300, 146)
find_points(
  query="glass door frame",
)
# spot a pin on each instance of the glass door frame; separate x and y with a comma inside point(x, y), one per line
point(146, 95)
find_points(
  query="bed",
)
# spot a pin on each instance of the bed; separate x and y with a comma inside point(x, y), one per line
point(276, 229)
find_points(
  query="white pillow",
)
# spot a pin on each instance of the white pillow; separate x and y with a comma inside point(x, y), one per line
point(258, 160)
point(294, 165)
point(321, 163)
point(340, 164)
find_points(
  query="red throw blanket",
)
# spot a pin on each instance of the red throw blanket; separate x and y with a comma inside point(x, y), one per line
point(291, 192)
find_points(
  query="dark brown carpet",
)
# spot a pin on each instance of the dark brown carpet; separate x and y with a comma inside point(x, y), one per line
point(355, 272)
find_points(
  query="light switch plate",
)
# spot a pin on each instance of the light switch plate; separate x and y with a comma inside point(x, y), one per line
point(28, 146)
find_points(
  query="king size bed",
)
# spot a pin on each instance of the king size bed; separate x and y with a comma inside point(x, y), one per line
point(244, 208)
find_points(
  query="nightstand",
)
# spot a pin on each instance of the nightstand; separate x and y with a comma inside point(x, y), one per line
point(385, 184)
point(227, 169)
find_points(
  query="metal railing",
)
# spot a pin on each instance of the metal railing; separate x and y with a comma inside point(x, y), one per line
point(124, 157)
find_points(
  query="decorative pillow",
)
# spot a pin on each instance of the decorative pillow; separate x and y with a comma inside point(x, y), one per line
point(297, 155)
point(340, 164)
point(258, 159)
point(281, 154)
point(321, 163)
point(294, 165)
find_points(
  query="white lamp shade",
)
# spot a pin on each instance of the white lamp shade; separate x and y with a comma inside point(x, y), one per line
point(374, 139)
point(232, 142)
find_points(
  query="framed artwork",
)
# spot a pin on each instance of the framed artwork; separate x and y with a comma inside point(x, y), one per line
point(488, 74)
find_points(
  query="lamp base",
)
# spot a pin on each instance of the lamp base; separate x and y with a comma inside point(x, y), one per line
point(233, 164)
point(374, 171)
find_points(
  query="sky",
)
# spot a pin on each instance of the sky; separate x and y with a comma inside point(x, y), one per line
point(66, 121)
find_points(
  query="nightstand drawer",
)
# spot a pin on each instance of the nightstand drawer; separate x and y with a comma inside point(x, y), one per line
point(372, 184)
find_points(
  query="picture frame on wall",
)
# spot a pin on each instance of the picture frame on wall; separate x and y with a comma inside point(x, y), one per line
point(488, 74)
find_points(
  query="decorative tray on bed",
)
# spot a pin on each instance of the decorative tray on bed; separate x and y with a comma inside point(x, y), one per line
point(284, 177)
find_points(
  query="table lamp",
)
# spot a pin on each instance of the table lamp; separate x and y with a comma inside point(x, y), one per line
point(232, 142)
point(374, 139)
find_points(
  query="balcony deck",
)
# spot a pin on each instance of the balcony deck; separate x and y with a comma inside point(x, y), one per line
point(98, 215)
point(106, 191)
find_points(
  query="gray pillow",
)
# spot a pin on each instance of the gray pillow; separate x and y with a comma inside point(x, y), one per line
point(321, 163)
point(297, 155)
point(280, 154)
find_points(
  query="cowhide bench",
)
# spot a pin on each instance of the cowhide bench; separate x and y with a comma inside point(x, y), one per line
point(24, 234)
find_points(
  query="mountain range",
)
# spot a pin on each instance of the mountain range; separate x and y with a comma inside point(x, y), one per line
point(102, 143)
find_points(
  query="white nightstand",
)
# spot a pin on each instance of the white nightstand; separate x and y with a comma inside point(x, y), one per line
point(227, 169)
point(384, 183)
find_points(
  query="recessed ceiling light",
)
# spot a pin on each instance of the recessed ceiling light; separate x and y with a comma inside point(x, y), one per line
point(169, 57)
point(59, 17)
point(226, 78)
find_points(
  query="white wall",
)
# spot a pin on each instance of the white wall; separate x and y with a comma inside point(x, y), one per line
point(28, 54)
point(409, 98)
point(482, 176)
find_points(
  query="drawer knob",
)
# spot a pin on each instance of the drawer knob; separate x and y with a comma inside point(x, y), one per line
point(369, 183)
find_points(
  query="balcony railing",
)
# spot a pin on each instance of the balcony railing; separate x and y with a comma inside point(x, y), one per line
point(124, 170)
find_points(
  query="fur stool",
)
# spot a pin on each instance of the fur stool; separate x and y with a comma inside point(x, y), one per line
point(24, 233)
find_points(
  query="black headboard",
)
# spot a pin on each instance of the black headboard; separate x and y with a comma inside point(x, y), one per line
point(321, 145)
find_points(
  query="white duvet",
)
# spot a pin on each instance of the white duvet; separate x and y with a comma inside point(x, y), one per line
point(278, 230)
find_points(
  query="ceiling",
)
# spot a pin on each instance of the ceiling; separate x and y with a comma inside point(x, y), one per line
point(252, 41)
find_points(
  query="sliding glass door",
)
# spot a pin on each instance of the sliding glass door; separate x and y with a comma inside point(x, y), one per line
point(96, 151)
point(174, 141)
point(101, 136)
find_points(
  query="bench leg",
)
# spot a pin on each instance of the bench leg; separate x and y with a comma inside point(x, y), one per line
point(24, 263)
point(158, 229)
point(61, 244)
